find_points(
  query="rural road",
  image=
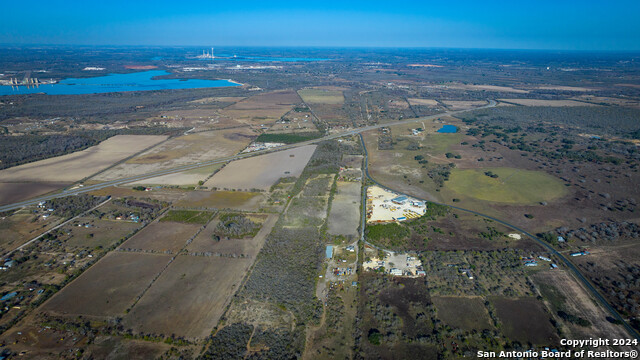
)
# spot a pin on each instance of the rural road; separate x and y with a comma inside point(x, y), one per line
point(126, 180)
point(587, 284)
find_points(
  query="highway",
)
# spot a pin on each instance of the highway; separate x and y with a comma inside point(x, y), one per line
point(80, 189)
point(587, 284)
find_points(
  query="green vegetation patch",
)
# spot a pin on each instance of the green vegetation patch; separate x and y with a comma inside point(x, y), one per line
point(288, 138)
point(235, 225)
point(510, 186)
point(390, 235)
point(187, 216)
point(319, 96)
point(440, 143)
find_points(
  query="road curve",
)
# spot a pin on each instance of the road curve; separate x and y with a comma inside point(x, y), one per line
point(121, 181)
point(614, 313)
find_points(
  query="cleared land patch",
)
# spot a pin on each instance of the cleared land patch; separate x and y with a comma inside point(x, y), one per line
point(510, 186)
point(109, 287)
point(166, 236)
point(222, 200)
point(261, 172)
point(189, 297)
point(15, 192)
point(552, 103)
point(185, 178)
point(425, 102)
point(467, 313)
point(262, 109)
point(183, 150)
point(536, 328)
point(102, 233)
point(80, 164)
point(321, 96)
point(344, 216)
point(462, 104)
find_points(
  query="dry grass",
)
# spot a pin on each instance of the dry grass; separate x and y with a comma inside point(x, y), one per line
point(80, 164)
point(183, 150)
point(321, 96)
point(261, 172)
point(222, 200)
point(19, 191)
point(109, 287)
point(189, 297)
point(162, 237)
point(461, 105)
point(262, 109)
point(425, 102)
point(550, 103)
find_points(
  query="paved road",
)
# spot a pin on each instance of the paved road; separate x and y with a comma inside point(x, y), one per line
point(544, 244)
point(126, 180)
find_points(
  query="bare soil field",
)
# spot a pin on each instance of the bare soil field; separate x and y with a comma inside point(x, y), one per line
point(183, 150)
point(344, 217)
point(12, 192)
point(186, 178)
point(537, 328)
point(552, 103)
point(104, 347)
point(425, 102)
point(78, 165)
point(576, 301)
point(262, 109)
point(461, 104)
point(189, 297)
point(236, 200)
point(216, 99)
point(466, 313)
point(109, 287)
point(261, 172)
point(248, 247)
point(162, 237)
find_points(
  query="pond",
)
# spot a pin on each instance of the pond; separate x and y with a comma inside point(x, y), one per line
point(448, 129)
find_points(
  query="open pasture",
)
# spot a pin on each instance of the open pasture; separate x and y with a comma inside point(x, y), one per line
point(261, 172)
point(235, 200)
point(511, 186)
point(109, 287)
point(103, 233)
point(162, 236)
point(21, 227)
point(466, 313)
point(80, 164)
point(550, 103)
point(189, 297)
point(537, 329)
point(12, 192)
point(185, 178)
point(187, 216)
point(321, 96)
point(263, 108)
point(424, 102)
point(183, 150)
point(463, 104)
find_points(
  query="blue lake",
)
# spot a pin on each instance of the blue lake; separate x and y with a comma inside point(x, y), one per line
point(140, 81)
point(448, 129)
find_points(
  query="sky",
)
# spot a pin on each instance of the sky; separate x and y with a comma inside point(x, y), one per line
point(515, 24)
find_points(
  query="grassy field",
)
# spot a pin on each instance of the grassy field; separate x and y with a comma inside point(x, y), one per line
point(222, 200)
point(165, 236)
point(525, 320)
point(187, 216)
point(511, 185)
point(109, 287)
point(319, 96)
point(467, 313)
point(189, 297)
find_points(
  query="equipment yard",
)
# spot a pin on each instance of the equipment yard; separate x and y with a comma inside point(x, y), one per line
point(386, 206)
